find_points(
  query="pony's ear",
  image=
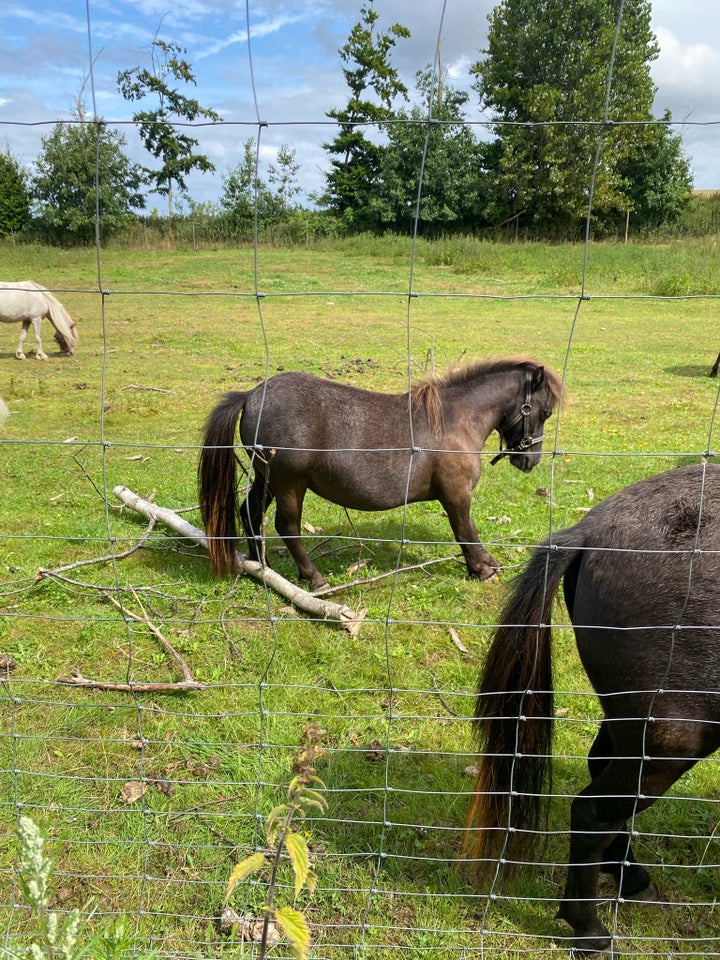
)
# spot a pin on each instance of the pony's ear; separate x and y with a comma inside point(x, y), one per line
point(538, 378)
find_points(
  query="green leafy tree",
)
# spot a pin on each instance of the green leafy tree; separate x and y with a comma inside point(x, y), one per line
point(244, 192)
point(63, 187)
point(14, 196)
point(544, 79)
point(658, 178)
point(282, 177)
point(374, 87)
point(452, 194)
point(158, 126)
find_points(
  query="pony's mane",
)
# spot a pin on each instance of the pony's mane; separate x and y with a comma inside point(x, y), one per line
point(427, 393)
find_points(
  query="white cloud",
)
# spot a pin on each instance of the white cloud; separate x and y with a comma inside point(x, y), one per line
point(691, 67)
point(258, 30)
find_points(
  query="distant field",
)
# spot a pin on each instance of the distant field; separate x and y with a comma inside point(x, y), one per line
point(172, 331)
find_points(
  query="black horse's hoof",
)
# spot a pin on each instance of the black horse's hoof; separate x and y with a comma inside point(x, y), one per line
point(593, 942)
point(486, 573)
point(649, 894)
point(592, 947)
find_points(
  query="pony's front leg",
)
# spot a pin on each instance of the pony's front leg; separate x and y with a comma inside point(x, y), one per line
point(480, 563)
point(40, 355)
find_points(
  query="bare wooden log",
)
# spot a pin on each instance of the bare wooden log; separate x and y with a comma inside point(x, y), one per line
point(181, 686)
point(348, 619)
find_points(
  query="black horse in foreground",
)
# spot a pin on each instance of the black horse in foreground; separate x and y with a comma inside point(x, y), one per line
point(367, 451)
point(715, 366)
point(642, 586)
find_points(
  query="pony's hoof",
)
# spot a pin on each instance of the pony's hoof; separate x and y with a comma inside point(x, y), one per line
point(649, 894)
point(592, 947)
point(21, 356)
point(486, 572)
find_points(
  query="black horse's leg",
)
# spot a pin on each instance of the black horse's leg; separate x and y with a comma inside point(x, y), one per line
point(598, 814)
point(633, 881)
point(716, 365)
point(252, 515)
point(479, 562)
point(288, 514)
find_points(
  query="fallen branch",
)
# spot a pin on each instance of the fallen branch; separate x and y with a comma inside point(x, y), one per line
point(350, 620)
point(78, 680)
point(188, 678)
point(137, 386)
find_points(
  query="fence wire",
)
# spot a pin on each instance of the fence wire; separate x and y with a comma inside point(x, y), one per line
point(150, 783)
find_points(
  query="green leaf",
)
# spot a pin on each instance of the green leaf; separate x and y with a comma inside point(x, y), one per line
point(297, 848)
point(313, 799)
point(249, 865)
point(295, 927)
point(311, 881)
point(274, 821)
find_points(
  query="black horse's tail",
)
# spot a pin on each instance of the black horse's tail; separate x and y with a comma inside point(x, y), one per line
point(513, 716)
point(217, 480)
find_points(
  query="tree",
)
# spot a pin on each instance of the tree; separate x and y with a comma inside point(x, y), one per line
point(14, 197)
point(544, 78)
point(374, 86)
point(244, 192)
point(158, 132)
point(63, 187)
point(452, 196)
point(658, 178)
point(282, 175)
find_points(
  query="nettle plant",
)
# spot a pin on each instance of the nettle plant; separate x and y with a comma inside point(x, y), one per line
point(59, 936)
point(286, 846)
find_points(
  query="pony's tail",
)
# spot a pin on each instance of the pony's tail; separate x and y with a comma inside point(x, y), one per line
point(513, 719)
point(61, 320)
point(217, 481)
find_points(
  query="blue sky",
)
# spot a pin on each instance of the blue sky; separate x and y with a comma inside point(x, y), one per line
point(45, 58)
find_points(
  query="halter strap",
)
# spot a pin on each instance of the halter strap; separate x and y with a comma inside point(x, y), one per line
point(523, 414)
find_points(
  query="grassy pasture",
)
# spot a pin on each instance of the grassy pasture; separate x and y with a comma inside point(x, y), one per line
point(173, 331)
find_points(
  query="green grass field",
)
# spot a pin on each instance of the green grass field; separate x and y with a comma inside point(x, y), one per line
point(171, 331)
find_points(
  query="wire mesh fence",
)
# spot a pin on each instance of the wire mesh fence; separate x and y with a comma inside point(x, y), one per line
point(152, 712)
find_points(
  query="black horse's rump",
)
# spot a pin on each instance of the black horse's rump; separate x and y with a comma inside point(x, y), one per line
point(641, 577)
point(366, 450)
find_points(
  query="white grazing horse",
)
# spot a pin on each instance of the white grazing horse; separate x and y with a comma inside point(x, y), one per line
point(26, 302)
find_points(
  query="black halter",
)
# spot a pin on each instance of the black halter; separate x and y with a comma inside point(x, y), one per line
point(527, 440)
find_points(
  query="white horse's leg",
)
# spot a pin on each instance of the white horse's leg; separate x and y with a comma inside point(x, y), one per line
point(19, 353)
point(38, 342)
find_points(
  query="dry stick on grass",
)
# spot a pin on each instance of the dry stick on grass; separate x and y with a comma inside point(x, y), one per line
point(350, 620)
point(77, 679)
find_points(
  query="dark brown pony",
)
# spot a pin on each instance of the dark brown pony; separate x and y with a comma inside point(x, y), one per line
point(642, 586)
point(367, 451)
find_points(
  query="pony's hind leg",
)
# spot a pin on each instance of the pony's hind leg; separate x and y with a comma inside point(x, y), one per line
point(252, 516)
point(20, 352)
point(632, 879)
point(288, 514)
point(599, 814)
